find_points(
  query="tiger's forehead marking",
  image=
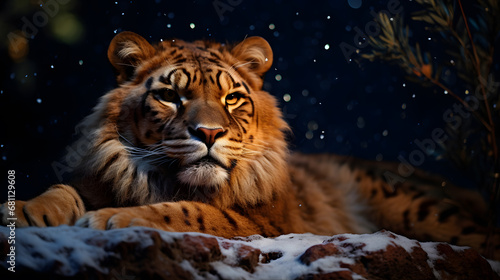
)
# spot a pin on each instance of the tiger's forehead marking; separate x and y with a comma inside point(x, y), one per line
point(197, 68)
point(189, 77)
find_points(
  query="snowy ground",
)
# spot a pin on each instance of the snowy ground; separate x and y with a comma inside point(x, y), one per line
point(66, 250)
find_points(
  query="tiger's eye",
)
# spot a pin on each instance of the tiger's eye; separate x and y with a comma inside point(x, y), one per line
point(166, 95)
point(232, 98)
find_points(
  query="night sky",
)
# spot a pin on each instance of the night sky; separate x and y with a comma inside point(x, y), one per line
point(364, 109)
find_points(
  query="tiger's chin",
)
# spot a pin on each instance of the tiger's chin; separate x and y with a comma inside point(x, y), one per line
point(203, 173)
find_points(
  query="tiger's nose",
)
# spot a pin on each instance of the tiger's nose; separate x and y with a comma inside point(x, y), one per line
point(208, 135)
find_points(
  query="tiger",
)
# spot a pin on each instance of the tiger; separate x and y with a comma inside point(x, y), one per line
point(189, 141)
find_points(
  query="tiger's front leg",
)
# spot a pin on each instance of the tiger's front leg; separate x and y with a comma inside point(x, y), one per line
point(183, 216)
point(59, 205)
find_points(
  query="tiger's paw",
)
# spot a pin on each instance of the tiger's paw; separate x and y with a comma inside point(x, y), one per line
point(11, 214)
point(59, 205)
point(112, 218)
point(31, 213)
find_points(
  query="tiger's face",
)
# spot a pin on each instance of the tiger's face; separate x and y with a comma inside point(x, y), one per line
point(193, 115)
point(197, 114)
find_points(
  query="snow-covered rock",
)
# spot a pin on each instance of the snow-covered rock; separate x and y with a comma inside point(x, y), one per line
point(144, 253)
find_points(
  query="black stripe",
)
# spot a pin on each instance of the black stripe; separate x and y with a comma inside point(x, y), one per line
point(26, 216)
point(185, 211)
point(194, 78)
point(201, 223)
point(149, 82)
point(443, 216)
point(216, 55)
point(246, 87)
point(169, 76)
point(46, 221)
point(468, 230)
point(108, 163)
point(262, 231)
point(134, 174)
point(423, 209)
point(234, 162)
point(218, 79)
point(232, 79)
point(237, 85)
point(161, 128)
point(278, 228)
point(143, 103)
point(387, 189)
point(418, 194)
point(124, 171)
point(173, 52)
point(406, 220)
point(166, 219)
point(164, 80)
point(178, 56)
point(180, 61)
point(230, 219)
point(77, 204)
point(244, 130)
point(253, 108)
point(212, 79)
point(232, 148)
point(136, 118)
point(214, 61)
point(188, 75)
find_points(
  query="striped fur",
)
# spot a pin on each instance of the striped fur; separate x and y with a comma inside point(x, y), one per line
point(189, 141)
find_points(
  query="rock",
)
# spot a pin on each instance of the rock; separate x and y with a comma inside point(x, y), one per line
point(141, 253)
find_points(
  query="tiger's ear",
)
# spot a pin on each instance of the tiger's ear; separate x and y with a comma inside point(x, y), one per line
point(257, 52)
point(126, 51)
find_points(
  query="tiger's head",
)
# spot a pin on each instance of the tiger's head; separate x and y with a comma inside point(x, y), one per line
point(187, 121)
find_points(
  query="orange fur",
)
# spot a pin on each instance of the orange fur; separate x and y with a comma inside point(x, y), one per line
point(189, 141)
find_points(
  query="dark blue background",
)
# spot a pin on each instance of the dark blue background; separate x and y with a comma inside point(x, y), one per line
point(362, 109)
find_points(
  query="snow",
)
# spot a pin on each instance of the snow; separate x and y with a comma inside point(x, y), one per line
point(495, 265)
point(292, 246)
point(73, 247)
point(378, 241)
point(432, 254)
point(67, 246)
point(49, 244)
